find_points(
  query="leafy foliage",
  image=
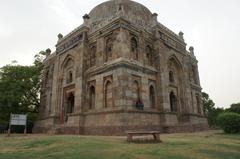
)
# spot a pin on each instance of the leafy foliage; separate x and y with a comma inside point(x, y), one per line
point(19, 90)
point(208, 104)
point(210, 110)
point(234, 108)
point(229, 122)
point(212, 117)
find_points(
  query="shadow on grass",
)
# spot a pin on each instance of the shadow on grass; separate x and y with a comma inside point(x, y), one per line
point(220, 154)
point(230, 147)
point(39, 143)
point(144, 141)
point(230, 136)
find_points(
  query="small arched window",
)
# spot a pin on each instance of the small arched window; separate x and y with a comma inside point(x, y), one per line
point(149, 55)
point(93, 56)
point(69, 77)
point(173, 102)
point(120, 8)
point(134, 48)
point(171, 77)
point(109, 45)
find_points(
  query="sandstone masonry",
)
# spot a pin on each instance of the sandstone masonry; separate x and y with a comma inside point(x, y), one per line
point(119, 59)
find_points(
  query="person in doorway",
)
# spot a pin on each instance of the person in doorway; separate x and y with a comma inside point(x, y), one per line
point(139, 104)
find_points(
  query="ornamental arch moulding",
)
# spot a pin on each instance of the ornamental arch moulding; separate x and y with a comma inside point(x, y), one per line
point(68, 62)
point(173, 59)
point(67, 69)
point(175, 69)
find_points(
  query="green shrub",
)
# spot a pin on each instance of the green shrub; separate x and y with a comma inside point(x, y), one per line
point(229, 122)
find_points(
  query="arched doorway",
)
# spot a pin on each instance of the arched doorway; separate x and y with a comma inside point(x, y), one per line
point(173, 102)
point(70, 103)
point(92, 97)
point(152, 96)
point(108, 94)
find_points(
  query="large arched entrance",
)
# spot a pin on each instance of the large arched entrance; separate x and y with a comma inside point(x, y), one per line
point(173, 102)
point(70, 103)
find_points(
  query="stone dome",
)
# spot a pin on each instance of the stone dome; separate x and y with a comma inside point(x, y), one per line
point(132, 11)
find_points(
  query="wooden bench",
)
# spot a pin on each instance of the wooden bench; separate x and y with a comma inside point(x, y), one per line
point(155, 134)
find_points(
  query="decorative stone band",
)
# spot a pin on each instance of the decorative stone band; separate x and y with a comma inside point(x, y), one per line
point(172, 42)
point(121, 62)
point(169, 31)
point(71, 40)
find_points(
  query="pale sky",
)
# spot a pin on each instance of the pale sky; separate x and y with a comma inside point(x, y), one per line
point(211, 26)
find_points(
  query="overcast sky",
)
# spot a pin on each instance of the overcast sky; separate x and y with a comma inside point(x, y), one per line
point(211, 26)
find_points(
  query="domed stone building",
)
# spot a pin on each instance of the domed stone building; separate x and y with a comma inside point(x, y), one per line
point(120, 70)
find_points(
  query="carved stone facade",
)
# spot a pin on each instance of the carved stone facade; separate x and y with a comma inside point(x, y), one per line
point(120, 70)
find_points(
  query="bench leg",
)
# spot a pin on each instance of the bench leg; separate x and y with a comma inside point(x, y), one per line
point(129, 138)
point(156, 137)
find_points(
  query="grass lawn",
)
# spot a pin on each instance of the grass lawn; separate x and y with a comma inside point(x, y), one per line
point(204, 145)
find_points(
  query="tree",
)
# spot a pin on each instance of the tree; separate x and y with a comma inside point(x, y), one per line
point(210, 110)
point(212, 117)
point(39, 58)
point(19, 89)
point(234, 108)
point(208, 104)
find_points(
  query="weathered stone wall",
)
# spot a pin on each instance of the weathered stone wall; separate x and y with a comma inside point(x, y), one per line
point(102, 69)
point(118, 122)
